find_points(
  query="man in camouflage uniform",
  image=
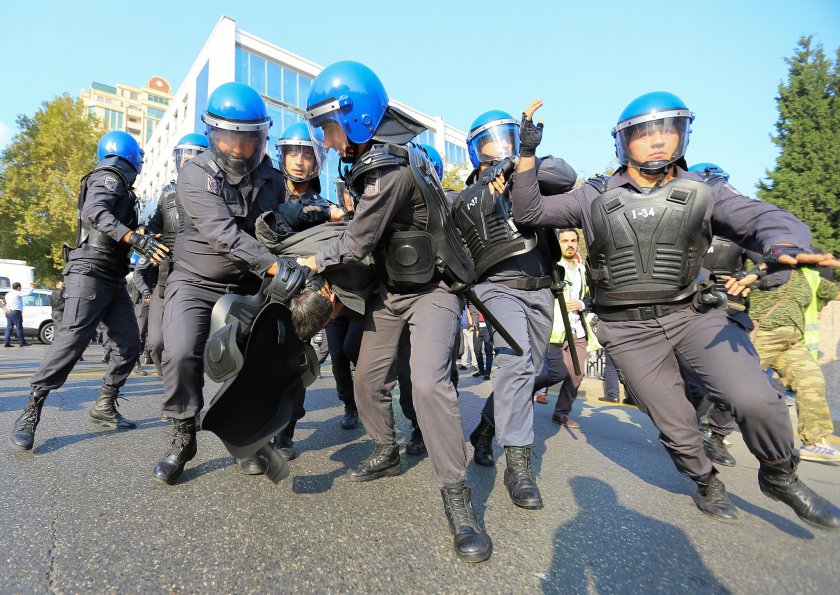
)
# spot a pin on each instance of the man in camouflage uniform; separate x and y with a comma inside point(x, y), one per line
point(780, 317)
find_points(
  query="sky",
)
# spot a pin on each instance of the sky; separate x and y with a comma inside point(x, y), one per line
point(586, 60)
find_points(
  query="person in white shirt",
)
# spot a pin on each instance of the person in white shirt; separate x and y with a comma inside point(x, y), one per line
point(14, 313)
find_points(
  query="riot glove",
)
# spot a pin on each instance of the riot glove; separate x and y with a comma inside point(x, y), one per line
point(288, 282)
point(149, 246)
point(530, 137)
point(773, 253)
point(503, 168)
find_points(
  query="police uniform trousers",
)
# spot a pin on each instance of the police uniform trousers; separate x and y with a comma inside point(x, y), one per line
point(528, 316)
point(186, 326)
point(141, 310)
point(433, 317)
point(719, 352)
point(154, 340)
point(90, 300)
point(717, 415)
point(344, 336)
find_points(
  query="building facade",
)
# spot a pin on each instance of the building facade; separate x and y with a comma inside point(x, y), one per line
point(283, 79)
point(136, 110)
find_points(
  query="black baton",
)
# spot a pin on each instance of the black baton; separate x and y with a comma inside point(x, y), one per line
point(557, 290)
point(488, 316)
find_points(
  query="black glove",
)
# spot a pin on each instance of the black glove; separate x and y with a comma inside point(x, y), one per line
point(289, 280)
point(504, 168)
point(530, 137)
point(145, 245)
point(772, 254)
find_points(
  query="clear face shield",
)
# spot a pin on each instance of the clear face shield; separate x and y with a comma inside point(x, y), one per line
point(654, 142)
point(495, 142)
point(185, 153)
point(237, 147)
point(301, 160)
point(327, 130)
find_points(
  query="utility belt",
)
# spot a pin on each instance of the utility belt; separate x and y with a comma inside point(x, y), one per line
point(637, 313)
point(526, 283)
point(246, 287)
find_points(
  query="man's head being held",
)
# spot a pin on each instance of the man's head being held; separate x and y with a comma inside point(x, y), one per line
point(313, 307)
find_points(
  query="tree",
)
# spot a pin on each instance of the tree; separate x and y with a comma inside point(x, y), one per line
point(40, 172)
point(806, 179)
point(453, 178)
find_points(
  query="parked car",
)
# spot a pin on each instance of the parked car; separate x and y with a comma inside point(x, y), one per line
point(37, 315)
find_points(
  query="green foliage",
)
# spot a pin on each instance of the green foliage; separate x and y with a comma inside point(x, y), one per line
point(40, 172)
point(453, 178)
point(806, 179)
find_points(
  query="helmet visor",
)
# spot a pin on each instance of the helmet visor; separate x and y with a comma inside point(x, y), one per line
point(300, 162)
point(184, 154)
point(326, 129)
point(237, 152)
point(495, 143)
point(654, 143)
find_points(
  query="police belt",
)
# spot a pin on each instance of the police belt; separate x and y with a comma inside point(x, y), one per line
point(635, 313)
point(526, 283)
point(247, 287)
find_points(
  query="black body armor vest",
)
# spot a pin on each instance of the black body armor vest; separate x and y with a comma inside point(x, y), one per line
point(414, 257)
point(169, 229)
point(648, 248)
point(723, 258)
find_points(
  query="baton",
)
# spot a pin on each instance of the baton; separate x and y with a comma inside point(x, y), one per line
point(488, 316)
point(557, 289)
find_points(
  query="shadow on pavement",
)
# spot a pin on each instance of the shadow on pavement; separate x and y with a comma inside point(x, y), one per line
point(789, 526)
point(608, 548)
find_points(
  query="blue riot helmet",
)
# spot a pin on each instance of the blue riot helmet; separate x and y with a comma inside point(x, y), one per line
point(709, 168)
point(237, 128)
point(493, 136)
point(347, 96)
point(434, 157)
point(300, 159)
point(188, 147)
point(653, 119)
point(121, 144)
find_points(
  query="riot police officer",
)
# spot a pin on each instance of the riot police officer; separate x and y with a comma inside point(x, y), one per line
point(401, 215)
point(514, 268)
point(95, 285)
point(220, 194)
point(164, 221)
point(649, 226)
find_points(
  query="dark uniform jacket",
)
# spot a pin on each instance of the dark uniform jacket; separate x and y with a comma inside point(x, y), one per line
point(749, 223)
point(215, 240)
point(292, 215)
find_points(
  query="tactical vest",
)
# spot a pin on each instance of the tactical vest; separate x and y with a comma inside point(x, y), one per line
point(414, 257)
point(116, 252)
point(648, 248)
point(169, 229)
point(723, 258)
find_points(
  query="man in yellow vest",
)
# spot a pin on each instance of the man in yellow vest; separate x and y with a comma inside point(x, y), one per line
point(787, 340)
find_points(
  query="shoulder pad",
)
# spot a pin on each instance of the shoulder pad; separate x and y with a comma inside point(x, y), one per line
point(712, 178)
point(170, 188)
point(386, 155)
point(112, 167)
point(598, 182)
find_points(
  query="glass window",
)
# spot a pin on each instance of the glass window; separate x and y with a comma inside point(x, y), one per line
point(257, 76)
point(304, 82)
point(154, 113)
point(157, 99)
point(275, 81)
point(290, 89)
point(241, 65)
point(28, 300)
point(277, 128)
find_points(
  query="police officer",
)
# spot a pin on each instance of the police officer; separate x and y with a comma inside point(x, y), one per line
point(95, 286)
point(649, 226)
point(140, 293)
point(220, 194)
point(401, 215)
point(164, 221)
point(514, 268)
point(300, 161)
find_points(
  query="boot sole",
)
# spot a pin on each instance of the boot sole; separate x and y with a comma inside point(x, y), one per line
point(170, 480)
point(528, 504)
point(19, 447)
point(390, 472)
point(809, 521)
point(482, 464)
point(476, 557)
point(721, 519)
point(111, 424)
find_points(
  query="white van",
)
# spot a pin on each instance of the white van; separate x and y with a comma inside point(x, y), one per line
point(37, 316)
point(15, 271)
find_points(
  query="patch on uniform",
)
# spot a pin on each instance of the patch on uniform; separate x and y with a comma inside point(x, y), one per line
point(111, 183)
point(372, 183)
point(143, 260)
point(212, 184)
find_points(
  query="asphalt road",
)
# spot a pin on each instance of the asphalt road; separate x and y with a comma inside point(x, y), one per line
point(82, 513)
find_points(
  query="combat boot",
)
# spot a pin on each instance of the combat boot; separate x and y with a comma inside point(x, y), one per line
point(105, 410)
point(718, 451)
point(519, 477)
point(471, 543)
point(350, 419)
point(416, 445)
point(384, 461)
point(482, 440)
point(23, 435)
point(138, 368)
point(781, 483)
point(284, 443)
point(182, 449)
point(712, 499)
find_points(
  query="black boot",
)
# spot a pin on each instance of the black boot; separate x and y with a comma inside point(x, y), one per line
point(138, 367)
point(482, 439)
point(384, 461)
point(23, 435)
point(284, 444)
point(105, 410)
point(471, 543)
point(780, 482)
point(519, 477)
point(415, 445)
point(718, 451)
point(182, 449)
point(350, 419)
point(712, 499)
